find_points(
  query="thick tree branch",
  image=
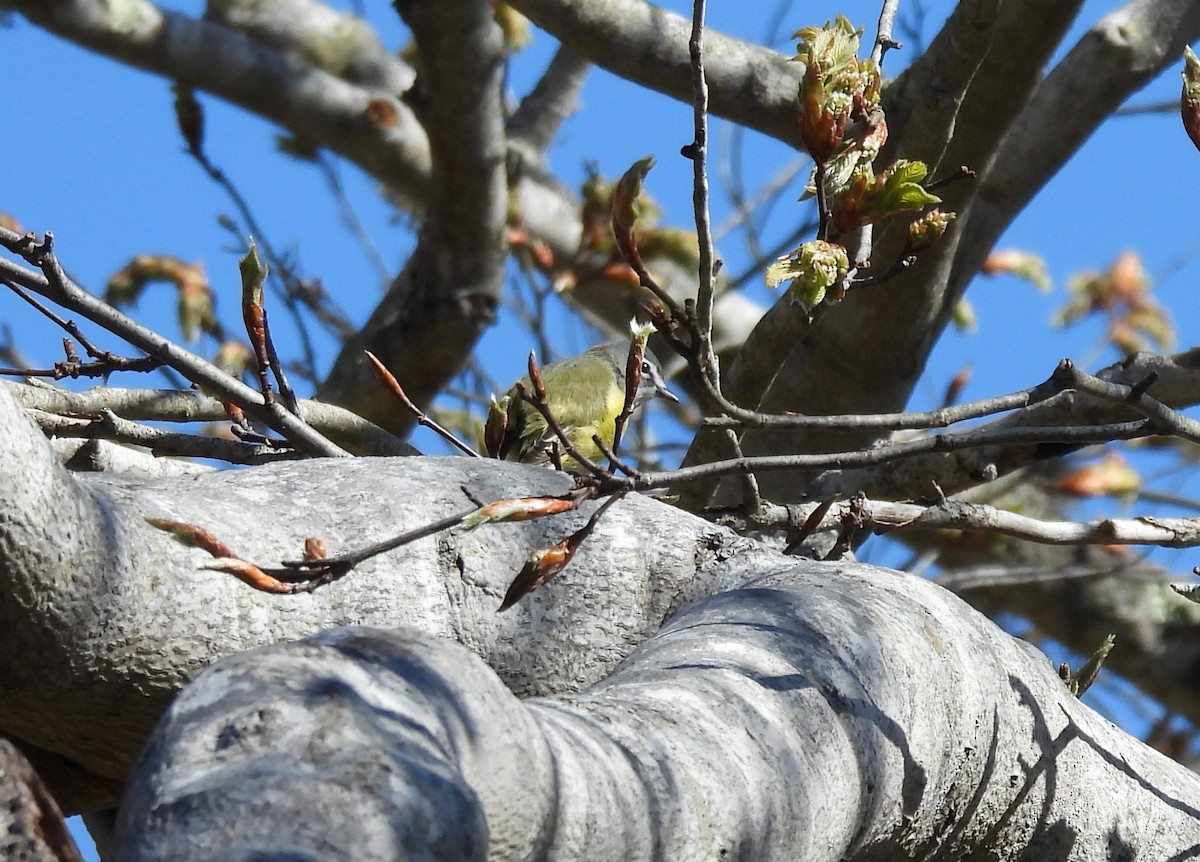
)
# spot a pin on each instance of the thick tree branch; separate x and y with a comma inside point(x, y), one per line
point(789, 701)
point(124, 615)
point(751, 85)
point(337, 42)
point(866, 353)
point(348, 429)
point(30, 821)
point(363, 122)
point(382, 136)
point(1114, 59)
point(449, 291)
point(973, 76)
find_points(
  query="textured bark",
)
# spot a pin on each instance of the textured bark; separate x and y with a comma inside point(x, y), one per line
point(776, 721)
point(106, 618)
point(450, 289)
point(31, 826)
point(822, 712)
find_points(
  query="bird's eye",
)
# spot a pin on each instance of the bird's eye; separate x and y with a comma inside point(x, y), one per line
point(645, 366)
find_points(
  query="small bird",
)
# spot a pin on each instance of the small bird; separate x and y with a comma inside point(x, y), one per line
point(585, 394)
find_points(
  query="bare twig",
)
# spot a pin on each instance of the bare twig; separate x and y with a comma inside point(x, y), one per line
point(1168, 421)
point(751, 497)
point(54, 284)
point(615, 464)
point(888, 515)
point(888, 453)
point(1066, 376)
point(191, 118)
point(697, 151)
point(329, 169)
point(883, 33)
point(316, 573)
point(105, 362)
point(974, 517)
point(422, 417)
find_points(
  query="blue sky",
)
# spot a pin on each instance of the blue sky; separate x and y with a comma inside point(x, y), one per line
point(93, 155)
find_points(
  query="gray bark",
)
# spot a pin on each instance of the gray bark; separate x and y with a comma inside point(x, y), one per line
point(106, 618)
point(821, 712)
point(816, 711)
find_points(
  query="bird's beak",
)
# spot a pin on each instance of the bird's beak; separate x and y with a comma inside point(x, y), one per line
point(663, 392)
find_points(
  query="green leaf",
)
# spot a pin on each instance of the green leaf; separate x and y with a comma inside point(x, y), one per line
point(254, 272)
point(812, 269)
point(625, 195)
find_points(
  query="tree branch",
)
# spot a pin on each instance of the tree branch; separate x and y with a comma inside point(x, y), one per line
point(372, 129)
point(31, 822)
point(54, 284)
point(122, 615)
point(537, 119)
point(789, 701)
point(1111, 61)
point(751, 85)
point(449, 291)
point(336, 42)
point(348, 429)
point(1176, 384)
point(361, 122)
point(866, 353)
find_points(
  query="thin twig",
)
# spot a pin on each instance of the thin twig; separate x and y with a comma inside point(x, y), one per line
point(889, 515)
point(342, 563)
point(190, 115)
point(751, 496)
point(54, 284)
point(883, 32)
point(823, 220)
point(350, 217)
point(1167, 420)
point(106, 361)
point(615, 464)
point(888, 453)
point(697, 151)
point(420, 415)
point(898, 266)
point(1066, 376)
point(910, 420)
point(545, 565)
point(974, 517)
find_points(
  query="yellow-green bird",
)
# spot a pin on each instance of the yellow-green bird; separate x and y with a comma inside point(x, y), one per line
point(585, 394)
